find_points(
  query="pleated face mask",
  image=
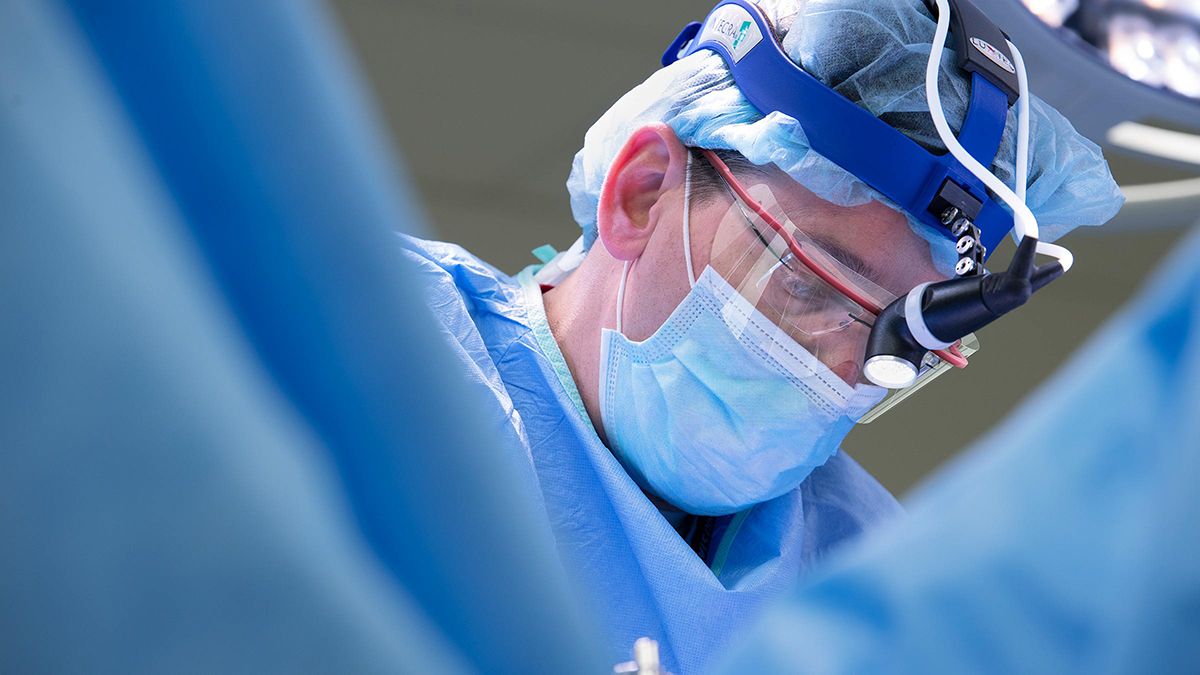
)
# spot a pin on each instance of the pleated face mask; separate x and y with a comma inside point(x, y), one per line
point(722, 407)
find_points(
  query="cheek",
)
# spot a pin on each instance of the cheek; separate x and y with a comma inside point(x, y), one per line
point(720, 235)
point(659, 280)
point(657, 284)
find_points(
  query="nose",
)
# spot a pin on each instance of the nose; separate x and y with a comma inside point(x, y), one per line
point(843, 352)
point(849, 371)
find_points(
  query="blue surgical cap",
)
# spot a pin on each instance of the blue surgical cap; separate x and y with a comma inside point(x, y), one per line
point(874, 52)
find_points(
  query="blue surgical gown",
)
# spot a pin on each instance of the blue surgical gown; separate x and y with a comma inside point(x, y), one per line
point(1067, 541)
point(640, 577)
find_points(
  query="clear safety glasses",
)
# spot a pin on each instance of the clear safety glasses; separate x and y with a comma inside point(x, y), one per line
point(815, 292)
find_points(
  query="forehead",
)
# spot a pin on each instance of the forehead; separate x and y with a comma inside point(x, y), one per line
point(872, 238)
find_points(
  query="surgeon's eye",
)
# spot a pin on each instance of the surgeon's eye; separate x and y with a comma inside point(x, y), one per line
point(800, 282)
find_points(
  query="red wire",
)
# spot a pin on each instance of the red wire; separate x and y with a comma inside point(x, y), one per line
point(951, 355)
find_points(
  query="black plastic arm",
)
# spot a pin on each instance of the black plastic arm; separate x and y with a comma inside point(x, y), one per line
point(957, 307)
point(954, 308)
point(980, 46)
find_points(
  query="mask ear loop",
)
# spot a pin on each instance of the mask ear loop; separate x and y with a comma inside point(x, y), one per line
point(687, 243)
point(687, 220)
point(621, 295)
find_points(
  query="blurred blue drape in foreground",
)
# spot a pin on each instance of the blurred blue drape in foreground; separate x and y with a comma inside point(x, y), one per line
point(1067, 542)
point(229, 439)
point(231, 442)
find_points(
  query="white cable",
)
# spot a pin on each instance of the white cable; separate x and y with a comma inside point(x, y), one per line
point(1022, 177)
point(1065, 257)
point(1024, 222)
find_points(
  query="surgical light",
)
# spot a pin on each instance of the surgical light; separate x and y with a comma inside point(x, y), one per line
point(1182, 59)
point(1158, 51)
point(1052, 12)
point(1155, 42)
point(1134, 48)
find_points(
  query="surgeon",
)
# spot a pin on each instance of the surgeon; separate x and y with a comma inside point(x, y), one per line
point(681, 378)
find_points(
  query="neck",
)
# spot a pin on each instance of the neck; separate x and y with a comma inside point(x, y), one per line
point(577, 310)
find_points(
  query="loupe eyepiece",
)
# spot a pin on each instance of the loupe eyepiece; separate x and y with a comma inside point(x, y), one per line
point(932, 316)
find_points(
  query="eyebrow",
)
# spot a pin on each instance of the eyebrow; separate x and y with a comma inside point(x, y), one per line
point(847, 257)
point(839, 252)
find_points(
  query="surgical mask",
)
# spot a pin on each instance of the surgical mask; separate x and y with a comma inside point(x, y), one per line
point(720, 409)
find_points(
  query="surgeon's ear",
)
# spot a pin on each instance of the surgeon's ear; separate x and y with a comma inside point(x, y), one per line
point(650, 164)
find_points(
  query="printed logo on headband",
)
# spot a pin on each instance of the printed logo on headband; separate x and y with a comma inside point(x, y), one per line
point(995, 55)
point(733, 27)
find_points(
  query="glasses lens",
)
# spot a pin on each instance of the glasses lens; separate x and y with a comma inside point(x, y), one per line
point(795, 297)
point(814, 288)
point(790, 279)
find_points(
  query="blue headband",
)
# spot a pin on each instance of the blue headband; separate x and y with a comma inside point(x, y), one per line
point(926, 185)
